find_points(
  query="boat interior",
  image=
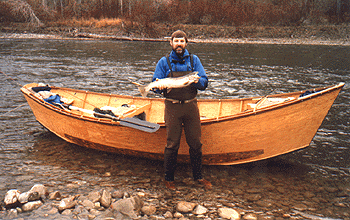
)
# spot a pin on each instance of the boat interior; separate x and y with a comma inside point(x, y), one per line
point(152, 109)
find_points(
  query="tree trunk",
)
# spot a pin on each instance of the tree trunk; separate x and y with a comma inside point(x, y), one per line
point(338, 10)
point(121, 7)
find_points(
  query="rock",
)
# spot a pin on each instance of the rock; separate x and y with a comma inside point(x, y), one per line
point(94, 212)
point(30, 206)
point(83, 216)
point(67, 212)
point(94, 196)
point(11, 197)
point(269, 187)
point(91, 216)
point(331, 189)
point(281, 190)
point(254, 190)
point(138, 203)
point(238, 191)
point(106, 199)
point(52, 211)
point(28, 197)
point(126, 195)
point(200, 210)
point(55, 195)
point(80, 211)
point(110, 214)
point(300, 207)
point(185, 207)
point(264, 203)
point(309, 194)
point(250, 216)
point(67, 203)
point(40, 189)
point(228, 213)
point(12, 213)
point(253, 197)
point(178, 215)
point(148, 210)
point(341, 204)
point(19, 210)
point(88, 204)
point(24, 178)
point(117, 194)
point(98, 206)
point(168, 214)
point(72, 186)
point(129, 206)
point(286, 215)
point(141, 194)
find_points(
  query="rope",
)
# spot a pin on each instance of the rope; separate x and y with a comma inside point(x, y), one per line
point(11, 79)
point(14, 109)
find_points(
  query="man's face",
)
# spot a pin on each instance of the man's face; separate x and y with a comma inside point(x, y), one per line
point(178, 45)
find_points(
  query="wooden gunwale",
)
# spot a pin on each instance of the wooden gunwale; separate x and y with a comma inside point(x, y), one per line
point(267, 108)
point(320, 91)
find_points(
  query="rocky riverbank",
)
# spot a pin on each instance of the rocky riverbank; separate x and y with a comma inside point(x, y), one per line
point(105, 204)
point(42, 202)
point(307, 34)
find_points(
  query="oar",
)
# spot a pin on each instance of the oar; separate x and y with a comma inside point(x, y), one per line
point(127, 122)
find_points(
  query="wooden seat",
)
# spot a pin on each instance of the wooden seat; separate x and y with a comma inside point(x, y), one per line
point(137, 111)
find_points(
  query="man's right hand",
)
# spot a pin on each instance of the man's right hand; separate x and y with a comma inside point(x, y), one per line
point(161, 87)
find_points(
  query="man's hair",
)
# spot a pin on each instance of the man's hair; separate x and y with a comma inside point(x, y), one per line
point(179, 34)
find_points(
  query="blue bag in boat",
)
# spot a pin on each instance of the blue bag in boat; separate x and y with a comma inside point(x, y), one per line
point(54, 99)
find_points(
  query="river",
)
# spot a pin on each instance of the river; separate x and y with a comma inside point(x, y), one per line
point(313, 180)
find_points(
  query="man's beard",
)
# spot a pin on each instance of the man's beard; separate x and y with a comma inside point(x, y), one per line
point(178, 52)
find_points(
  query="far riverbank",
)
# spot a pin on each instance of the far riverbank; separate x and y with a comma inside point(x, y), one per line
point(305, 35)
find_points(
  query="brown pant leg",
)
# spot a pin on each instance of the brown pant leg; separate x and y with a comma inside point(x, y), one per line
point(192, 127)
point(173, 123)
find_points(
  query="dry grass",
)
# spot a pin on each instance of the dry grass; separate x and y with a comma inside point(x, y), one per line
point(108, 22)
point(90, 22)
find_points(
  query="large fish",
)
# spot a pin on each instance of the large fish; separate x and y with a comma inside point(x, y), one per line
point(169, 83)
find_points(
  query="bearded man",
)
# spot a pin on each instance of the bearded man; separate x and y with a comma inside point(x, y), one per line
point(181, 109)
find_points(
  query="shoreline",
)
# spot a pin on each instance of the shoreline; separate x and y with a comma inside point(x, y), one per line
point(90, 36)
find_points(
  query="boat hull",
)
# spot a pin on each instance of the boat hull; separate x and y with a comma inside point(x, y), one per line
point(247, 136)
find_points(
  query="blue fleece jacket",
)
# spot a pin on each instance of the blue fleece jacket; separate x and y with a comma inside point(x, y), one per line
point(162, 69)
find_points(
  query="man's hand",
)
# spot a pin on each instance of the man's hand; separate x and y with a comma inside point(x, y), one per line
point(161, 87)
point(196, 79)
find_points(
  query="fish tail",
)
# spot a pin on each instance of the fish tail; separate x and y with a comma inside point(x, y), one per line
point(143, 91)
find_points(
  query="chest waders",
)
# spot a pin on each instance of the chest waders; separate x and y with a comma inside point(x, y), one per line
point(181, 111)
point(185, 93)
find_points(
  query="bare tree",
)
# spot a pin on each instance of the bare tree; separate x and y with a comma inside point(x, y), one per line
point(21, 11)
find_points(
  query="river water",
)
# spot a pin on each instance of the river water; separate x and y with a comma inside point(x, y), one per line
point(314, 180)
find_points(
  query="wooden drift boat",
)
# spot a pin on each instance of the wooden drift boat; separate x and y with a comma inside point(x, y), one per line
point(234, 131)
